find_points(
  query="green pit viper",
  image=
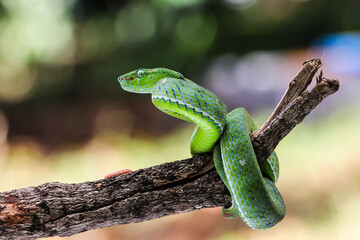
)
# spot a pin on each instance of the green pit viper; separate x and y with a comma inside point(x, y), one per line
point(254, 195)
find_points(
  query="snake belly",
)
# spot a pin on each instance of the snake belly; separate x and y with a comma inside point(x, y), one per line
point(254, 195)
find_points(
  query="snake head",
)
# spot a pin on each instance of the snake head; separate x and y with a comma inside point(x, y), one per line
point(143, 80)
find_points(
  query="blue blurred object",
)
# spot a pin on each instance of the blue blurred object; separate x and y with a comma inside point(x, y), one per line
point(341, 52)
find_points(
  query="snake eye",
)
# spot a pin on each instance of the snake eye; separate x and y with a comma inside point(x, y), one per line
point(121, 78)
point(140, 73)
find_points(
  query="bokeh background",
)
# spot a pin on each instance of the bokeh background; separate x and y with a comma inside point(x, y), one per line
point(64, 117)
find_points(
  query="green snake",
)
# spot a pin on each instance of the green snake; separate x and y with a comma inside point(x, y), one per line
point(254, 195)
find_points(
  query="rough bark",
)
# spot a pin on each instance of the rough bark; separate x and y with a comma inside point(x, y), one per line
point(170, 188)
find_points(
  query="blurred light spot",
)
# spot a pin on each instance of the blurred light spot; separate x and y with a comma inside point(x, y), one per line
point(96, 39)
point(242, 4)
point(195, 33)
point(16, 83)
point(341, 53)
point(256, 79)
point(36, 30)
point(135, 23)
point(258, 71)
point(179, 3)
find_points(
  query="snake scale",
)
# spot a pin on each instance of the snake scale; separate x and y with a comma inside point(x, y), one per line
point(254, 195)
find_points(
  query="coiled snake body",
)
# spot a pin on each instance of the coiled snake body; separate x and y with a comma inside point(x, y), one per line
point(255, 197)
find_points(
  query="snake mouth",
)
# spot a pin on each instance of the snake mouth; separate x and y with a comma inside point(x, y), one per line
point(126, 78)
point(130, 78)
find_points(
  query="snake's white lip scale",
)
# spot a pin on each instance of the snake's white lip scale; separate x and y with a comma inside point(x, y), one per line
point(254, 198)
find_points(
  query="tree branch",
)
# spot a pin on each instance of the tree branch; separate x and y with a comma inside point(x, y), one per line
point(294, 106)
point(170, 188)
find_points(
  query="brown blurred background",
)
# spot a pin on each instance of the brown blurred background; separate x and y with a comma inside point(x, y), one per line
point(64, 117)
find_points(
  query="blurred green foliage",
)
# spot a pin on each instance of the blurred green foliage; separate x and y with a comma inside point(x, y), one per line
point(53, 49)
point(67, 54)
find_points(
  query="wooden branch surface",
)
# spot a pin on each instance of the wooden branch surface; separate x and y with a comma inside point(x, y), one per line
point(66, 209)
